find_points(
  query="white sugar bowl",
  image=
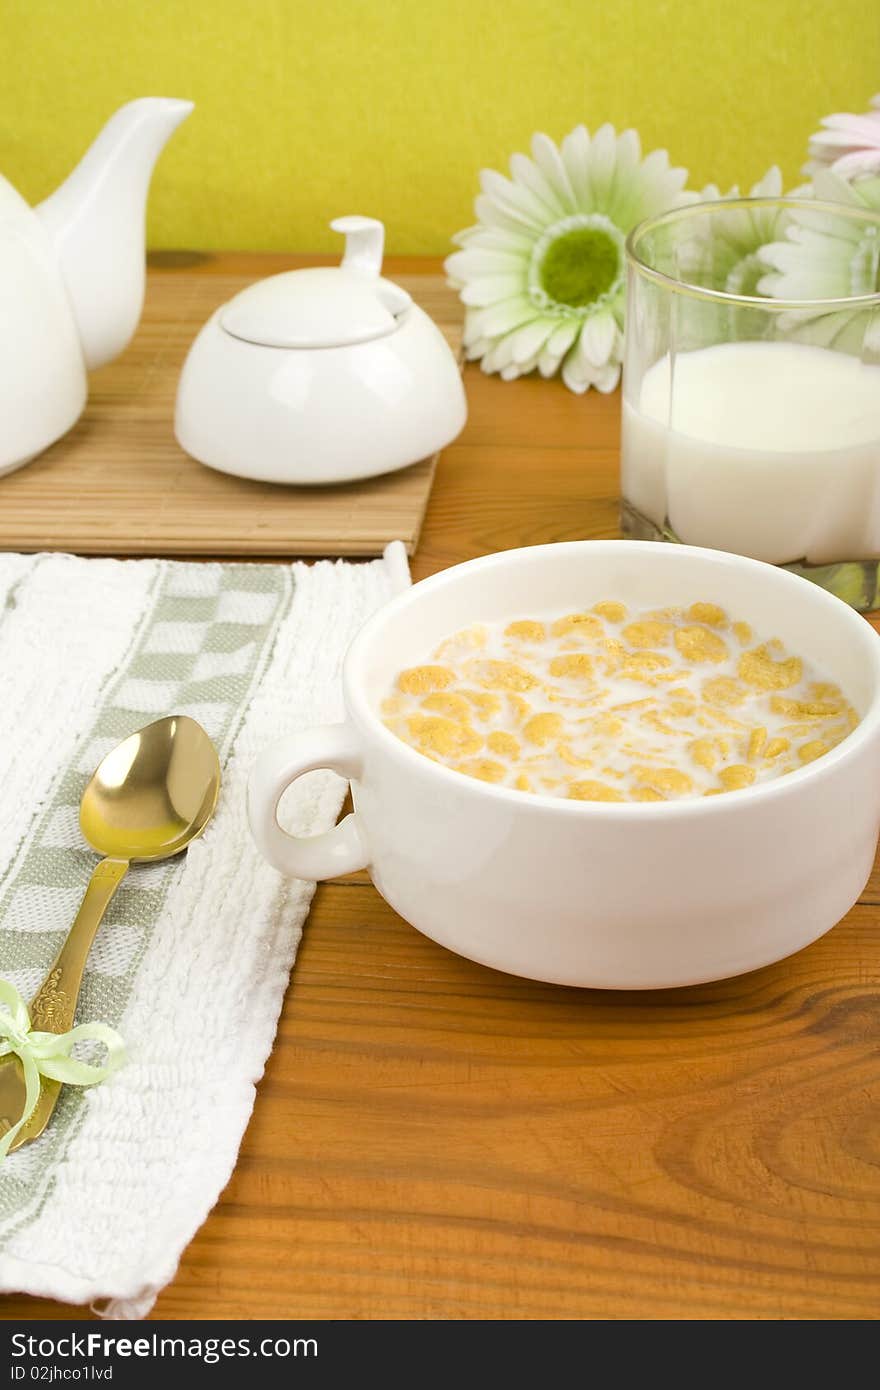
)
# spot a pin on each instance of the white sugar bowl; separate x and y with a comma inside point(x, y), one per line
point(321, 375)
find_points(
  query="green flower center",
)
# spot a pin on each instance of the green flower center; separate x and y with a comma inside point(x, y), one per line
point(580, 266)
point(577, 264)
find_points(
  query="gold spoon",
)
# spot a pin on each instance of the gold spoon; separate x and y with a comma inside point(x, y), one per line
point(148, 798)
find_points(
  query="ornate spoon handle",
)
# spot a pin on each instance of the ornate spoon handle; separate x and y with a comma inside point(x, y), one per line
point(54, 1005)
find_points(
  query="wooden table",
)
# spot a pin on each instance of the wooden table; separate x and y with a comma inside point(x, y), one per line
point(436, 1140)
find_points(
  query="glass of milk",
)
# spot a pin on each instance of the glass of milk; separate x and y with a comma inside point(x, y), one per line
point(752, 423)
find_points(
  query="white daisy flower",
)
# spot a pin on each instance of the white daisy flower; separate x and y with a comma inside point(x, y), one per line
point(848, 144)
point(542, 273)
point(827, 257)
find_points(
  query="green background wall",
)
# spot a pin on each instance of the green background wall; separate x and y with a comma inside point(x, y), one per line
point(389, 107)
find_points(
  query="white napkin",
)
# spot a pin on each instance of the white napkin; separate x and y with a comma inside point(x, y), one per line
point(193, 959)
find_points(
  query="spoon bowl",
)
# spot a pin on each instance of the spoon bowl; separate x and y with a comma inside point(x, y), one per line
point(153, 793)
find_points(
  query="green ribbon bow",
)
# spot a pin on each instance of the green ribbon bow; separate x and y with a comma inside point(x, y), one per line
point(48, 1054)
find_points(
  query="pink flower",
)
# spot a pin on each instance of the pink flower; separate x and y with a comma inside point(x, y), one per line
point(848, 144)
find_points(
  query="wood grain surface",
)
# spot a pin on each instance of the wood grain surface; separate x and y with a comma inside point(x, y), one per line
point(433, 1139)
point(119, 483)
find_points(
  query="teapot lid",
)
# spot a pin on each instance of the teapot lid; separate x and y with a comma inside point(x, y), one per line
point(331, 306)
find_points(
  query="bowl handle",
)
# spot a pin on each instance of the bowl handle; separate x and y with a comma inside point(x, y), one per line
point(338, 851)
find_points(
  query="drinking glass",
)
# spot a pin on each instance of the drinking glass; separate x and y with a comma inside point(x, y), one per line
point(751, 386)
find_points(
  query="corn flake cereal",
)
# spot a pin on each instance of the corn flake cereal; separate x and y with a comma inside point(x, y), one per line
point(616, 705)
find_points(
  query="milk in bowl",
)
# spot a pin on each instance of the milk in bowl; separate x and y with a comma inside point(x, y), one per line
point(616, 704)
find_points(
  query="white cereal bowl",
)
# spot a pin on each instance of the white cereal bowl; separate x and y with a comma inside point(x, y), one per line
point(608, 895)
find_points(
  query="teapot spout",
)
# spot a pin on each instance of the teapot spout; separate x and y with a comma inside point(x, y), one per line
point(95, 221)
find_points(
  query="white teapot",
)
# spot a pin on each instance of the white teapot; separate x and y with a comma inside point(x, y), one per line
point(320, 375)
point(72, 277)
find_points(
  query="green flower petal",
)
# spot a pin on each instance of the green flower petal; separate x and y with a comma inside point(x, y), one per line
point(597, 338)
point(489, 289)
point(562, 338)
point(549, 160)
point(528, 175)
point(507, 314)
point(514, 199)
point(528, 341)
point(575, 153)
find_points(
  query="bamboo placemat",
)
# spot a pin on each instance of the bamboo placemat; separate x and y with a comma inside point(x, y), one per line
point(119, 484)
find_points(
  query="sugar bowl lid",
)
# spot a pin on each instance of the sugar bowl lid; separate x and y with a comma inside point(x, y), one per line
point(329, 306)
